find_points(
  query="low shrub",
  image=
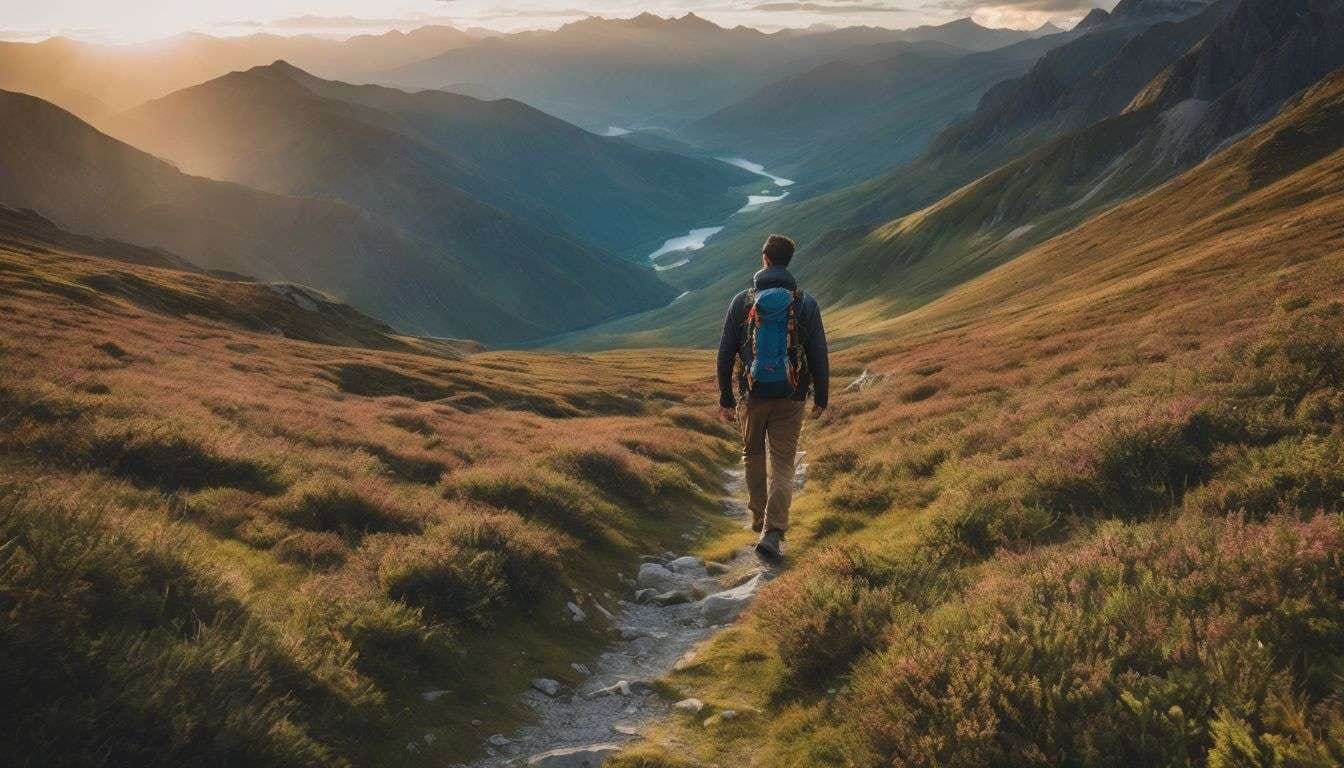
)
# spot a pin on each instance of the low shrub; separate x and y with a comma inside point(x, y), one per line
point(122, 653)
point(1300, 476)
point(315, 549)
point(468, 570)
point(162, 457)
point(329, 503)
point(1162, 645)
point(536, 494)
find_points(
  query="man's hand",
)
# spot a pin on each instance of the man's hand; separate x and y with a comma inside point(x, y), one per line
point(727, 414)
point(819, 413)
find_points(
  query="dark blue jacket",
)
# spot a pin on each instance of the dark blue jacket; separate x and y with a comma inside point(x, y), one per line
point(818, 372)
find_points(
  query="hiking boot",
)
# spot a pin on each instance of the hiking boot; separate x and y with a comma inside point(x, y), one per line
point(771, 544)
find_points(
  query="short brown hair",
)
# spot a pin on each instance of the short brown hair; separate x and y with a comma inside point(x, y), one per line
point(778, 250)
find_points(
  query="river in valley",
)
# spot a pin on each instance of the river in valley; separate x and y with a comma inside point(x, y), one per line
point(676, 251)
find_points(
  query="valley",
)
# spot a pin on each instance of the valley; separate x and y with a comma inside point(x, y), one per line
point(358, 400)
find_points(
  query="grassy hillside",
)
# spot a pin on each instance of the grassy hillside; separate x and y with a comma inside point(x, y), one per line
point(471, 270)
point(240, 524)
point(1088, 512)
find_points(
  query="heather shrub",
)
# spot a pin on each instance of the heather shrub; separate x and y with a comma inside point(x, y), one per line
point(1304, 474)
point(329, 503)
point(221, 510)
point(1132, 463)
point(822, 618)
point(984, 522)
point(648, 756)
point(315, 549)
point(610, 470)
point(1163, 645)
point(451, 583)
point(700, 421)
point(536, 494)
point(1303, 354)
point(122, 653)
point(531, 554)
point(162, 457)
point(468, 570)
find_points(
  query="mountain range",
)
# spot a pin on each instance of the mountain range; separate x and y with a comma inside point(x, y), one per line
point(497, 277)
point(95, 80)
point(415, 158)
point(650, 71)
point(1112, 113)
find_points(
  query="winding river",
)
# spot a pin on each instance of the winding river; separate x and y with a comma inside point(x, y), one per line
point(675, 251)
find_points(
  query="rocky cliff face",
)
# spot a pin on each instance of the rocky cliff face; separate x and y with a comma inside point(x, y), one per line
point(1262, 54)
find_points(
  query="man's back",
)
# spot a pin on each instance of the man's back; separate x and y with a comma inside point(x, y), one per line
point(771, 417)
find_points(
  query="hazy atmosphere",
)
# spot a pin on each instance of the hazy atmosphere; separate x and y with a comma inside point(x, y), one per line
point(138, 21)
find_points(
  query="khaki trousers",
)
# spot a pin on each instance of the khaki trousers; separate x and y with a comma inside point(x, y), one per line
point(771, 425)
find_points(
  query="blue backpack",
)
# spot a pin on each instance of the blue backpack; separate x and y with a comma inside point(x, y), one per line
point(773, 342)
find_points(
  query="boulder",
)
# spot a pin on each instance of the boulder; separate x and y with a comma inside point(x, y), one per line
point(725, 606)
point(655, 576)
point(590, 756)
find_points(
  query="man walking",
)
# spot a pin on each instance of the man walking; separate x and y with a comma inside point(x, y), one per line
point(774, 331)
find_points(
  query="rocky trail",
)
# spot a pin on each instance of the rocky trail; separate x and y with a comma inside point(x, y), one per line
point(674, 604)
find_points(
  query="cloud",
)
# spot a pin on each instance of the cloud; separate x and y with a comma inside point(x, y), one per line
point(1020, 6)
point(314, 22)
point(829, 8)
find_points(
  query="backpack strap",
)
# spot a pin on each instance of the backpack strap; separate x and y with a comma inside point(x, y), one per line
point(746, 346)
point(796, 347)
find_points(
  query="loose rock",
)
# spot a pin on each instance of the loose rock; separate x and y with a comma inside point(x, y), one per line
point(645, 595)
point(499, 740)
point(590, 756)
point(691, 705)
point(672, 597)
point(434, 695)
point(576, 612)
point(725, 606)
point(546, 686)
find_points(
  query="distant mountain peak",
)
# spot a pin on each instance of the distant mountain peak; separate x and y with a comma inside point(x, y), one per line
point(1047, 28)
point(1095, 18)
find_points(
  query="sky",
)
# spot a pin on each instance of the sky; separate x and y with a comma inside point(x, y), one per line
point(139, 20)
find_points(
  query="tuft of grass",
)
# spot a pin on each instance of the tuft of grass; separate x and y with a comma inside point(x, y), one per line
point(332, 504)
point(537, 494)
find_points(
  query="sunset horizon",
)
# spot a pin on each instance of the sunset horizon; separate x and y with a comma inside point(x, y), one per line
point(303, 17)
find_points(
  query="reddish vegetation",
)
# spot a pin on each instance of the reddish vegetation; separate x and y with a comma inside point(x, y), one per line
point(329, 526)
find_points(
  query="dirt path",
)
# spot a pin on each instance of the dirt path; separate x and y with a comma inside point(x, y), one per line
point(580, 728)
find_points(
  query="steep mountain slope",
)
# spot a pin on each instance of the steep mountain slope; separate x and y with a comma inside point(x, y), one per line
point(649, 71)
point(495, 277)
point(411, 157)
point(841, 123)
point(1073, 501)
point(94, 80)
point(221, 543)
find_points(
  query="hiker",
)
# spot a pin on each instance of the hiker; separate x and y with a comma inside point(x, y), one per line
point(773, 332)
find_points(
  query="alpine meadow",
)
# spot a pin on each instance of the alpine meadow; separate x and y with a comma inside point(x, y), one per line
point(748, 385)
